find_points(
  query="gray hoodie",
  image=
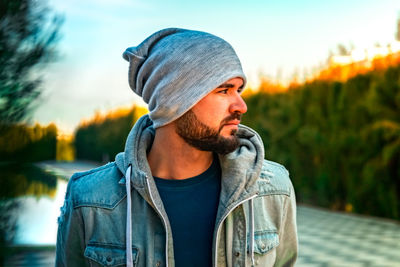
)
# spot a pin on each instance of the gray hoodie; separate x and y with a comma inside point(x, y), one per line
point(113, 215)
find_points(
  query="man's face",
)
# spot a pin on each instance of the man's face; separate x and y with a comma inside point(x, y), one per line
point(211, 125)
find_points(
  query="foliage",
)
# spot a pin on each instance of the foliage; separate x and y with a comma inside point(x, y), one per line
point(25, 179)
point(65, 148)
point(342, 72)
point(340, 140)
point(103, 137)
point(27, 39)
point(23, 143)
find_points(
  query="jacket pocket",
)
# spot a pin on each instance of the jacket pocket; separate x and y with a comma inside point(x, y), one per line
point(264, 241)
point(109, 255)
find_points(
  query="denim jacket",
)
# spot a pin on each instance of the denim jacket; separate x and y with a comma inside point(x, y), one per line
point(114, 216)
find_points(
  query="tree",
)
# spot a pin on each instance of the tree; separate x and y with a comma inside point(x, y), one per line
point(339, 140)
point(343, 50)
point(28, 34)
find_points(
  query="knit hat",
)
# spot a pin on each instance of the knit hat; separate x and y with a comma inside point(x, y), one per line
point(173, 69)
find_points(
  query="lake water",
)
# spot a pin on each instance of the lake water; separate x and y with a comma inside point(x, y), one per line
point(37, 218)
point(31, 198)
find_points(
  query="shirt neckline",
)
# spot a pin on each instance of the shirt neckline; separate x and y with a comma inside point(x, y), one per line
point(198, 179)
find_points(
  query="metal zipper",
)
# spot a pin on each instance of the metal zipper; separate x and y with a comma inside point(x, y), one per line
point(163, 219)
point(223, 219)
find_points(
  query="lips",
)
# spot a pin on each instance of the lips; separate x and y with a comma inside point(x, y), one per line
point(234, 122)
point(231, 120)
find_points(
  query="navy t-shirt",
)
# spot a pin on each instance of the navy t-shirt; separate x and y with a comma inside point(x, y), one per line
point(191, 205)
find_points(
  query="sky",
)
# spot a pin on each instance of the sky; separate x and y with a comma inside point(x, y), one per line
point(273, 38)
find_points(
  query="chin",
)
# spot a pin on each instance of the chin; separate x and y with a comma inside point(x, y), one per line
point(229, 135)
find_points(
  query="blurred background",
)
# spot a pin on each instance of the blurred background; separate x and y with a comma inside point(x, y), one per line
point(323, 93)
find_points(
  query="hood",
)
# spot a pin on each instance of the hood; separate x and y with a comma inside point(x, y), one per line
point(138, 143)
point(240, 168)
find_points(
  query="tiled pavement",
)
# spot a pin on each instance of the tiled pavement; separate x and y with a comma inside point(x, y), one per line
point(326, 239)
point(338, 239)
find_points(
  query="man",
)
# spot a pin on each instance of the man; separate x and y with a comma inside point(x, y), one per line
point(192, 187)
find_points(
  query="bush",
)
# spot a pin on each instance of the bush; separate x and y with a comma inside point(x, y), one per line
point(340, 140)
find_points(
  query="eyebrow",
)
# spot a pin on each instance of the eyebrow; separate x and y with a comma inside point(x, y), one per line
point(229, 85)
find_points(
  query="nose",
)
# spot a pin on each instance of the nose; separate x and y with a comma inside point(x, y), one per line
point(238, 105)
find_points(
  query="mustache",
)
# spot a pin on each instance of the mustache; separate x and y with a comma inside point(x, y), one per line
point(233, 116)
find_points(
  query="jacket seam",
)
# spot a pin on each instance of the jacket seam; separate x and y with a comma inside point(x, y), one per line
point(100, 244)
point(287, 200)
point(278, 192)
point(79, 212)
point(93, 205)
point(79, 175)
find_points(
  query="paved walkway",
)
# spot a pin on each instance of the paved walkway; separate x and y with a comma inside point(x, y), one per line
point(338, 239)
point(326, 238)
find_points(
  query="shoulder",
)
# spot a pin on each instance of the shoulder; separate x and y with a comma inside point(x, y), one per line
point(98, 187)
point(274, 179)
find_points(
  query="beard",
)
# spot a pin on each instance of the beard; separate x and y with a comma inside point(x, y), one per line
point(205, 138)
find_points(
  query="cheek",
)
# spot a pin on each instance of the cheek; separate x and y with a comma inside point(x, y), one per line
point(211, 113)
point(212, 117)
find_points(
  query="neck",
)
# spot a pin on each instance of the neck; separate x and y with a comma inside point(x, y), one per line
point(170, 157)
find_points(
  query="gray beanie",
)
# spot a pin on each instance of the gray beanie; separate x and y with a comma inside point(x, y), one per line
point(173, 69)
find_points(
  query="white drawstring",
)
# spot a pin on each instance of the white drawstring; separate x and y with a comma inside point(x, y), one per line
point(251, 211)
point(129, 262)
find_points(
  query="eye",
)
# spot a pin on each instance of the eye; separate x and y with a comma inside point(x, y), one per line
point(225, 91)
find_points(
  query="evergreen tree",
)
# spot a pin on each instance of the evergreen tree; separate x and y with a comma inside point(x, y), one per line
point(28, 34)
